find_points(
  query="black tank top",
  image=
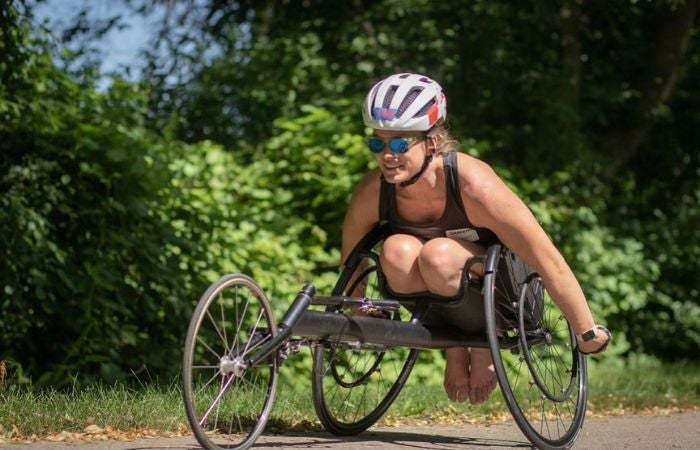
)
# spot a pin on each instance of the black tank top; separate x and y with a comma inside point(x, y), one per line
point(453, 223)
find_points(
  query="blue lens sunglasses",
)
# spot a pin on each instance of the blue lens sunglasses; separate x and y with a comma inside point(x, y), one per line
point(396, 144)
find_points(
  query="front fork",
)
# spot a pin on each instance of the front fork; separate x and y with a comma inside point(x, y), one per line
point(291, 317)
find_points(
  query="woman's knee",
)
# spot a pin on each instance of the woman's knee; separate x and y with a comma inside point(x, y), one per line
point(400, 250)
point(441, 262)
point(446, 257)
point(436, 254)
point(398, 260)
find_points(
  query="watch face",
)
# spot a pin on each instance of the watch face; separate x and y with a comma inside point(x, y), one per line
point(588, 335)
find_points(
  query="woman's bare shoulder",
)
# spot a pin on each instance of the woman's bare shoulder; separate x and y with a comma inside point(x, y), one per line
point(365, 198)
point(476, 177)
point(488, 199)
point(368, 185)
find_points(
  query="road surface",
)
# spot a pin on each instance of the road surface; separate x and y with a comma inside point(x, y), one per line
point(670, 431)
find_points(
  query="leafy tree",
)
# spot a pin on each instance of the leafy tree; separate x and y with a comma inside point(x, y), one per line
point(596, 88)
point(93, 273)
point(239, 149)
point(112, 230)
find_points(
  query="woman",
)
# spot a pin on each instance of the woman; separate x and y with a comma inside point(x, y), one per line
point(445, 207)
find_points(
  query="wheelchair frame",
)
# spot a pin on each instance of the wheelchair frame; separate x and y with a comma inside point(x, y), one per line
point(229, 363)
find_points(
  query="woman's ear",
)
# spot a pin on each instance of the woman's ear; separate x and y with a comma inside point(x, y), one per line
point(433, 143)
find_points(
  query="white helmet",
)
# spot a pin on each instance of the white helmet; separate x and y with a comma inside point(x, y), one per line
point(405, 102)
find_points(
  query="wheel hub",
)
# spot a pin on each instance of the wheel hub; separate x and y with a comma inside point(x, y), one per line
point(548, 339)
point(228, 365)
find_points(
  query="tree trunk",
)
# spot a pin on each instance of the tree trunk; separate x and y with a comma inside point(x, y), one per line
point(570, 14)
point(670, 41)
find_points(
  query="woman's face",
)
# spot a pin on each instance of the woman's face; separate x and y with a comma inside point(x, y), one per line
point(398, 167)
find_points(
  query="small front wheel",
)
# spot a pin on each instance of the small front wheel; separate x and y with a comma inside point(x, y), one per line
point(228, 403)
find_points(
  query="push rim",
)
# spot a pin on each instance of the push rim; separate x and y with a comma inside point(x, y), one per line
point(546, 343)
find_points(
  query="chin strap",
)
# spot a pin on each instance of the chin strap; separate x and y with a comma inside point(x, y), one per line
point(414, 178)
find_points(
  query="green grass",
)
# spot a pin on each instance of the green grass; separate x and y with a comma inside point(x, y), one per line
point(640, 385)
point(45, 412)
point(644, 384)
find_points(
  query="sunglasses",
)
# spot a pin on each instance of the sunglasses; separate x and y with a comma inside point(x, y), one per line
point(396, 144)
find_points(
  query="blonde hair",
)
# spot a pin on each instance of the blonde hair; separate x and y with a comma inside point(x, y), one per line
point(445, 143)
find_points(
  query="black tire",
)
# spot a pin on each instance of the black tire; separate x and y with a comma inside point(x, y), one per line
point(353, 387)
point(543, 379)
point(227, 404)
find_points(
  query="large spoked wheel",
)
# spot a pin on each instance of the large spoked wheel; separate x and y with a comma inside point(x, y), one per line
point(227, 403)
point(354, 384)
point(543, 378)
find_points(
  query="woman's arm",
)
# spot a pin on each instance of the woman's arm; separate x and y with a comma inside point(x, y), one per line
point(491, 204)
point(362, 215)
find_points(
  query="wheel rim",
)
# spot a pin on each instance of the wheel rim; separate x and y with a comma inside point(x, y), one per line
point(359, 386)
point(228, 404)
point(543, 379)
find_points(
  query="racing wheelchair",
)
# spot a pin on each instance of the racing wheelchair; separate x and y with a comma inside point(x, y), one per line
point(365, 341)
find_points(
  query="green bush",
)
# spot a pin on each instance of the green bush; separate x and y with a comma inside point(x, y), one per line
point(90, 276)
point(623, 275)
point(112, 228)
point(112, 231)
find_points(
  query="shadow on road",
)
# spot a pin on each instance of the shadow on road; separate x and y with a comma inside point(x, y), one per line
point(397, 440)
point(374, 440)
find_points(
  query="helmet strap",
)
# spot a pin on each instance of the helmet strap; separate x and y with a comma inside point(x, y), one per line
point(414, 178)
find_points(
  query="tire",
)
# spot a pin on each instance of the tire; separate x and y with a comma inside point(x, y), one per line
point(353, 387)
point(227, 404)
point(543, 379)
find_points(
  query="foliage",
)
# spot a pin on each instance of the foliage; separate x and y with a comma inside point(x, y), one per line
point(114, 230)
point(92, 273)
point(240, 147)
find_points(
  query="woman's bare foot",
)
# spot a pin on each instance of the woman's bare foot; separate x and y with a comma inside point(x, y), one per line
point(482, 375)
point(457, 374)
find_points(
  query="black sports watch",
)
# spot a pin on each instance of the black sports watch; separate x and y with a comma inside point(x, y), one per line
point(588, 335)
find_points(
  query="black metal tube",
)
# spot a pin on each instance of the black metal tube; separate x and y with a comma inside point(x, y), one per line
point(296, 310)
point(339, 327)
point(301, 303)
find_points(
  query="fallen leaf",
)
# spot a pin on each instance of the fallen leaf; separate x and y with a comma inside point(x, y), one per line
point(93, 429)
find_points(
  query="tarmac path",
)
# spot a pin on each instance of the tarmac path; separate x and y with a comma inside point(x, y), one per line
point(638, 432)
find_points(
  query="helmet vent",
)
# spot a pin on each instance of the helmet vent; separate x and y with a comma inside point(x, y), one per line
point(389, 96)
point(424, 110)
point(408, 100)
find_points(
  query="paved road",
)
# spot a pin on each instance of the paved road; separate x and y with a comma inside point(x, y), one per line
point(674, 431)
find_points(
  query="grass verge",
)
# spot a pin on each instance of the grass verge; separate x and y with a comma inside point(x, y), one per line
point(118, 412)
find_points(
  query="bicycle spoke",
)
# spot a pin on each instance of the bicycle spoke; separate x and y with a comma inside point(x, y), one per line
point(218, 332)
